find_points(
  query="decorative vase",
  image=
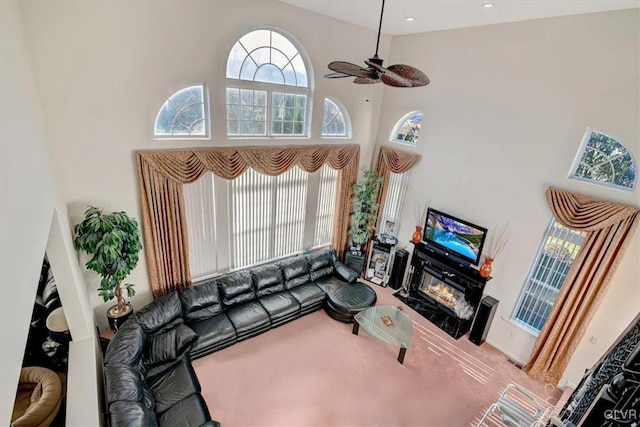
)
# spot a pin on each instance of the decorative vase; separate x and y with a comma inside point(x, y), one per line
point(485, 268)
point(417, 235)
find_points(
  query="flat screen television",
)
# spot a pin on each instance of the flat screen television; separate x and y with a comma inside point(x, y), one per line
point(458, 240)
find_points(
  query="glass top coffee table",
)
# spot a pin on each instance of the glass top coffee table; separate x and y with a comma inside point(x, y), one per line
point(387, 323)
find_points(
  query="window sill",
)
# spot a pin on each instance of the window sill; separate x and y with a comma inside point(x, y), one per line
point(529, 330)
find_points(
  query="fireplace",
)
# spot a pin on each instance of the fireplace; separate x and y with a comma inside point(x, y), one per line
point(447, 295)
point(436, 289)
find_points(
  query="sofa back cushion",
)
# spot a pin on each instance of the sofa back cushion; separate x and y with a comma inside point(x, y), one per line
point(127, 345)
point(131, 414)
point(295, 271)
point(124, 382)
point(320, 263)
point(160, 314)
point(201, 301)
point(237, 288)
point(267, 279)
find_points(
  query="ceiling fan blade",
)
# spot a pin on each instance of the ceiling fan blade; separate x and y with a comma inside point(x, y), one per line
point(336, 75)
point(401, 75)
point(366, 81)
point(350, 69)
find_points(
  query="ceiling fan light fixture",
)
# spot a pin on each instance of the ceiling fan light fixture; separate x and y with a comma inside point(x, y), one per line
point(488, 5)
point(409, 18)
point(398, 75)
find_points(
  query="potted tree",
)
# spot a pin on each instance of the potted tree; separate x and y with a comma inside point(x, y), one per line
point(114, 242)
point(365, 208)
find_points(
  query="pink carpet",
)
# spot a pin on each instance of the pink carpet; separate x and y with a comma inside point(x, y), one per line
point(315, 372)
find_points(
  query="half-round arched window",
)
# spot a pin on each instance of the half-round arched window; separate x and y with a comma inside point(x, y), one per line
point(335, 120)
point(268, 90)
point(184, 115)
point(603, 160)
point(407, 130)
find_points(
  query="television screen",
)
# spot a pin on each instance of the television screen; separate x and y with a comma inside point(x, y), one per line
point(460, 237)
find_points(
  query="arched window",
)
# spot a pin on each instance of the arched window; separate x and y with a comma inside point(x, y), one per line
point(268, 91)
point(184, 115)
point(335, 120)
point(407, 129)
point(603, 160)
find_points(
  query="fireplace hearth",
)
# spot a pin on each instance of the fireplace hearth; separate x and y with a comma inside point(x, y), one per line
point(437, 290)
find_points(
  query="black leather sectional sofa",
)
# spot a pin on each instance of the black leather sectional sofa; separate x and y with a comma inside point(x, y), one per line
point(149, 379)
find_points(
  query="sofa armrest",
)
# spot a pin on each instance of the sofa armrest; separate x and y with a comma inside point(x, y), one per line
point(347, 274)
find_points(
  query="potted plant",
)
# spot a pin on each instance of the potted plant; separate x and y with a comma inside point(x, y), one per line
point(365, 208)
point(114, 242)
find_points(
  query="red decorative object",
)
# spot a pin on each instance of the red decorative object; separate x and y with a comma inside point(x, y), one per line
point(485, 268)
point(387, 320)
point(417, 236)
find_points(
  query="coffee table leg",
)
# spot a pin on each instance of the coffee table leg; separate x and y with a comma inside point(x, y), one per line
point(403, 351)
point(356, 328)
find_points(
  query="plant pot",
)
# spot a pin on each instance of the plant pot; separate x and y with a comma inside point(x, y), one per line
point(117, 319)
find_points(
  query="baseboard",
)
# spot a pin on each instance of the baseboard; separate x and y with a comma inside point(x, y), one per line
point(509, 355)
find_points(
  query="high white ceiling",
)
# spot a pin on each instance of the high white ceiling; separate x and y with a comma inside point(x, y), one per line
point(434, 15)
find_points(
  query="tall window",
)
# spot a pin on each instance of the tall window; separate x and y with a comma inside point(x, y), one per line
point(407, 130)
point(184, 115)
point(199, 199)
point(268, 91)
point(559, 247)
point(335, 121)
point(603, 160)
point(396, 192)
point(268, 215)
point(255, 218)
point(326, 204)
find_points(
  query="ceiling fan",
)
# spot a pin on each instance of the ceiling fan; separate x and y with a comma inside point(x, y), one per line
point(399, 75)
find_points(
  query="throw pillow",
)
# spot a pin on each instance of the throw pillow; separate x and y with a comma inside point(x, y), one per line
point(347, 274)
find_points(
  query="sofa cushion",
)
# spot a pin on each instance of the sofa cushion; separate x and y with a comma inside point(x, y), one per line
point(308, 294)
point(280, 305)
point(127, 344)
point(267, 279)
point(320, 259)
point(295, 271)
point(237, 288)
point(174, 385)
point(169, 345)
point(126, 414)
point(212, 331)
point(160, 314)
point(201, 301)
point(248, 317)
point(123, 382)
point(345, 272)
point(191, 411)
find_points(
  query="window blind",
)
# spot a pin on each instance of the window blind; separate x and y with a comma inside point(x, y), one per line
point(199, 199)
point(396, 192)
point(326, 205)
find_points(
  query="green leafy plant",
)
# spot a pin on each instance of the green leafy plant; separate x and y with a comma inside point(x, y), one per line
point(114, 242)
point(365, 208)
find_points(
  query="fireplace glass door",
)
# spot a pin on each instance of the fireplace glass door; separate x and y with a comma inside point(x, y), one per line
point(439, 290)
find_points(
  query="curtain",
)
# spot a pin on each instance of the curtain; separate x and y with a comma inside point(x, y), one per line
point(391, 160)
point(162, 173)
point(609, 227)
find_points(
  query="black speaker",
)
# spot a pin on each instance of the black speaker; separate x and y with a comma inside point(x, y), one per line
point(397, 270)
point(482, 322)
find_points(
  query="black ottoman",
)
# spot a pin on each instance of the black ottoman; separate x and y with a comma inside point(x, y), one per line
point(343, 302)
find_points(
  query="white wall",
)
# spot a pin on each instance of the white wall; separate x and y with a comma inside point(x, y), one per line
point(105, 68)
point(30, 208)
point(503, 117)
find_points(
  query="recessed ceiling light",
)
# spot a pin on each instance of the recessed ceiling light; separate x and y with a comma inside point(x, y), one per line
point(487, 5)
point(409, 19)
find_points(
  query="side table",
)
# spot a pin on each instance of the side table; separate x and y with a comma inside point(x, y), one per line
point(354, 262)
